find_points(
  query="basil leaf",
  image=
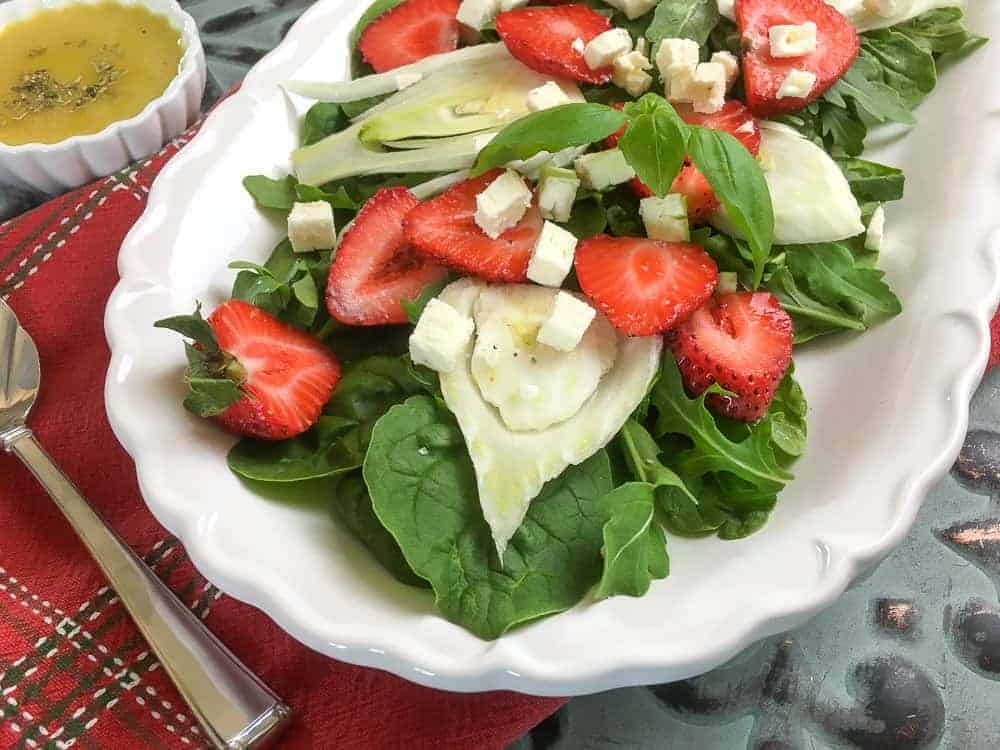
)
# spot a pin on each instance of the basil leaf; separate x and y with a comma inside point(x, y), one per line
point(323, 119)
point(635, 550)
point(353, 508)
point(872, 182)
point(739, 184)
point(277, 194)
point(423, 489)
point(685, 19)
point(550, 130)
point(655, 142)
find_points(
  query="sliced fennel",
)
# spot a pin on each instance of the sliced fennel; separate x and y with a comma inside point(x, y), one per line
point(386, 83)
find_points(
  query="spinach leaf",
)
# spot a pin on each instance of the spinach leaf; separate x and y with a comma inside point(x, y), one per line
point(322, 119)
point(337, 200)
point(635, 550)
point(277, 194)
point(739, 183)
point(871, 181)
point(589, 218)
point(337, 443)
point(686, 19)
point(751, 459)
point(825, 289)
point(423, 490)
point(655, 142)
point(353, 508)
point(550, 130)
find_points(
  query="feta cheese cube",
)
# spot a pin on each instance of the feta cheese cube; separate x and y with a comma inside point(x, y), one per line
point(557, 190)
point(630, 73)
point(441, 335)
point(666, 218)
point(476, 14)
point(532, 166)
point(797, 84)
point(552, 258)
point(567, 323)
point(642, 46)
point(883, 8)
point(506, 5)
point(547, 96)
point(311, 227)
point(405, 80)
point(705, 89)
point(633, 8)
point(876, 230)
point(503, 204)
point(605, 48)
point(680, 52)
point(792, 40)
point(604, 169)
point(728, 61)
point(727, 9)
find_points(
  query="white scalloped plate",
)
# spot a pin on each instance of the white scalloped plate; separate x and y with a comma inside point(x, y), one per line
point(888, 412)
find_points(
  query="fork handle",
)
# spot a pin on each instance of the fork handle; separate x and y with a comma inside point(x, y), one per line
point(236, 709)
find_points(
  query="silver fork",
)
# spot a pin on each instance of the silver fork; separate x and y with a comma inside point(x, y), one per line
point(236, 709)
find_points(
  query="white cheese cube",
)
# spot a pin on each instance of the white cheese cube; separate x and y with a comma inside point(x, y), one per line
point(792, 40)
point(884, 8)
point(546, 96)
point(441, 335)
point(798, 84)
point(633, 8)
point(728, 61)
point(476, 14)
point(666, 218)
point(552, 258)
point(642, 46)
point(506, 5)
point(727, 9)
point(311, 227)
point(405, 80)
point(677, 82)
point(503, 204)
point(708, 88)
point(604, 48)
point(567, 323)
point(557, 193)
point(630, 73)
point(876, 230)
point(604, 169)
point(681, 52)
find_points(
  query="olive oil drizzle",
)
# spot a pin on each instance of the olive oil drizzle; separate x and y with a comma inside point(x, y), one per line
point(38, 90)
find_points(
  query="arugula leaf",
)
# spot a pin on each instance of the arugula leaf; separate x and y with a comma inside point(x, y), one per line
point(277, 194)
point(635, 550)
point(788, 416)
point(685, 19)
point(415, 308)
point(353, 508)
point(550, 130)
point(337, 200)
point(287, 286)
point(751, 459)
point(905, 66)
point(423, 489)
point(825, 289)
point(943, 33)
point(655, 142)
point(739, 183)
point(322, 119)
point(337, 443)
point(871, 181)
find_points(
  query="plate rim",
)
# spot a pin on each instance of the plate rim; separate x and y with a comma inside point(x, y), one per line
point(378, 651)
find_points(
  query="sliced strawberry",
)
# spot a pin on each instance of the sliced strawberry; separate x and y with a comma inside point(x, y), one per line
point(375, 267)
point(743, 342)
point(736, 120)
point(284, 374)
point(837, 45)
point(411, 31)
point(546, 39)
point(644, 286)
point(445, 229)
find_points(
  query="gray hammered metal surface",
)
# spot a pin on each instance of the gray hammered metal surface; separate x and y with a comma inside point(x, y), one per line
point(908, 659)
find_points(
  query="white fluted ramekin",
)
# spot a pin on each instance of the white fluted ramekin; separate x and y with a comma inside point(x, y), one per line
point(56, 167)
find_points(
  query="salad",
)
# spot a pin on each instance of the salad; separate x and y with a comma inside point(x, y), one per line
point(546, 270)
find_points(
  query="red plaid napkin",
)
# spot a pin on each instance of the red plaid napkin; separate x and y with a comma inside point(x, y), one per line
point(73, 668)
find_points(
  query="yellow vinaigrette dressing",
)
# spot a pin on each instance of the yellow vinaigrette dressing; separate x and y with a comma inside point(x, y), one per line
point(76, 69)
